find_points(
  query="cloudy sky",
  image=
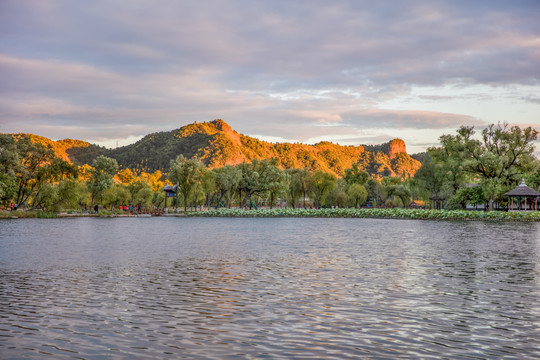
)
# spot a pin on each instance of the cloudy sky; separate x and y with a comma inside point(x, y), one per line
point(351, 72)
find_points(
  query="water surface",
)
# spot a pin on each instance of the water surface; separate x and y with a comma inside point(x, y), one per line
point(268, 288)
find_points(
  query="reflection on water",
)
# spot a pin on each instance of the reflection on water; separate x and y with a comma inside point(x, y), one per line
point(268, 288)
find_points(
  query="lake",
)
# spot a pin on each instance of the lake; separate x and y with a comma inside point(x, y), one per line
point(290, 288)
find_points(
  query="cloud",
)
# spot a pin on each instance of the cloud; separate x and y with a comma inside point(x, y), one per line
point(289, 70)
point(399, 119)
point(311, 42)
point(532, 99)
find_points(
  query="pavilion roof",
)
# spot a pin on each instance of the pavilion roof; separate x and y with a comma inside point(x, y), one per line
point(170, 187)
point(522, 190)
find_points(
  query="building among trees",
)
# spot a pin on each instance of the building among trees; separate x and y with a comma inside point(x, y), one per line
point(527, 198)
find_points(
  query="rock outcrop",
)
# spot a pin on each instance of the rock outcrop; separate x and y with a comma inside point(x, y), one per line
point(395, 147)
point(216, 144)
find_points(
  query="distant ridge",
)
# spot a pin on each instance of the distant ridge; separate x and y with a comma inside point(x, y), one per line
point(217, 144)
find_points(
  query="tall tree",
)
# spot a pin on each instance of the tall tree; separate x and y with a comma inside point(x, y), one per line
point(186, 173)
point(278, 184)
point(208, 185)
point(303, 177)
point(101, 176)
point(438, 177)
point(258, 177)
point(502, 154)
point(339, 195)
point(9, 163)
point(355, 175)
point(358, 194)
point(227, 180)
point(55, 181)
point(395, 191)
point(321, 184)
point(34, 169)
point(295, 187)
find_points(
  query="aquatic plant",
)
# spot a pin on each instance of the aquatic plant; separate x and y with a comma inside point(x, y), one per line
point(421, 214)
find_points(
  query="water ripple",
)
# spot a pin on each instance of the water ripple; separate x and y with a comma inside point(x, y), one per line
point(321, 289)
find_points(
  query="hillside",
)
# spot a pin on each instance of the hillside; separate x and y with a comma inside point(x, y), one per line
point(217, 144)
point(60, 147)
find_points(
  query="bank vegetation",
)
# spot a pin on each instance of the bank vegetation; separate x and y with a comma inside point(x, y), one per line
point(469, 169)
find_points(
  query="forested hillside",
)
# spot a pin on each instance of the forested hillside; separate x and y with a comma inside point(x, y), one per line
point(216, 144)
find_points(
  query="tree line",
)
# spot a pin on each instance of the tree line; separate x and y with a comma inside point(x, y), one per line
point(478, 168)
point(467, 168)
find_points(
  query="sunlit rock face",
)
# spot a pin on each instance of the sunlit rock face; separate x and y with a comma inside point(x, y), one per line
point(395, 147)
point(216, 144)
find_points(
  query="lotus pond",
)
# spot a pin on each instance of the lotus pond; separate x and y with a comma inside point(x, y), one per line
point(419, 214)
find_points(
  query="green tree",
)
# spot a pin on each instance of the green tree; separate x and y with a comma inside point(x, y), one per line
point(277, 185)
point(9, 163)
point(358, 194)
point(502, 155)
point(321, 185)
point(437, 178)
point(295, 188)
point(134, 187)
point(46, 198)
point(204, 188)
point(374, 189)
point(395, 192)
point(65, 194)
point(258, 177)
point(355, 175)
point(303, 178)
point(116, 195)
point(36, 172)
point(101, 176)
point(32, 171)
point(70, 193)
point(141, 193)
point(227, 180)
point(533, 177)
point(158, 198)
point(208, 185)
point(339, 195)
point(54, 178)
point(467, 195)
point(186, 173)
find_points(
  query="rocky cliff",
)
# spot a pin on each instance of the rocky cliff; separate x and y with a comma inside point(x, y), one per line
point(217, 144)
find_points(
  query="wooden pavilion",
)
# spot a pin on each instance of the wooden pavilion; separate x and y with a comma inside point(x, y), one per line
point(170, 191)
point(438, 201)
point(526, 197)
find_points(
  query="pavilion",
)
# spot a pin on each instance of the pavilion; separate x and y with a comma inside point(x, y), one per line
point(526, 196)
point(170, 191)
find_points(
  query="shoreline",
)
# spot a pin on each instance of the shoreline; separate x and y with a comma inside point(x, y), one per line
point(372, 213)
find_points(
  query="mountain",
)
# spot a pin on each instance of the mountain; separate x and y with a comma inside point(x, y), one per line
point(217, 144)
point(60, 147)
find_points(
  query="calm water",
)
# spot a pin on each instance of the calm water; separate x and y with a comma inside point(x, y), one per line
point(268, 288)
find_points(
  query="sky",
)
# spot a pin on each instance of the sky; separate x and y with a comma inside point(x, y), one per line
point(351, 72)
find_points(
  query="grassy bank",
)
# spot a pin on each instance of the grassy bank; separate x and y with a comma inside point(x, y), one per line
point(377, 213)
point(27, 214)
